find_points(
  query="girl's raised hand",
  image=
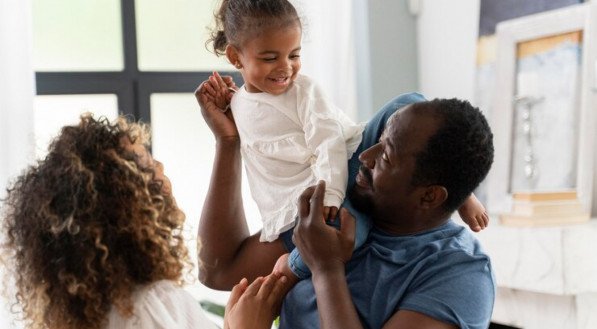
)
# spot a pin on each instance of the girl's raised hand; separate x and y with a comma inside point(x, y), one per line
point(220, 89)
point(213, 96)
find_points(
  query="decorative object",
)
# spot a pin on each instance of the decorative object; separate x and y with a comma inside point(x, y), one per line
point(534, 209)
point(543, 107)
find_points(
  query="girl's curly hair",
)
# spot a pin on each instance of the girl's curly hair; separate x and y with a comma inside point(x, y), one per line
point(87, 225)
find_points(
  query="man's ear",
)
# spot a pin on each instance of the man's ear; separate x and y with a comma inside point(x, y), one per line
point(433, 196)
point(232, 55)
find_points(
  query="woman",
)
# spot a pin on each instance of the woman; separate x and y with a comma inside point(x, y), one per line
point(93, 237)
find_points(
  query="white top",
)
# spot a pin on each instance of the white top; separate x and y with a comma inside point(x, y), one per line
point(290, 142)
point(161, 305)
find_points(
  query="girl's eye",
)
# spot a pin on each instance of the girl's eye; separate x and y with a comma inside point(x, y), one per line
point(384, 156)
point(269, 59)
point(295, 56)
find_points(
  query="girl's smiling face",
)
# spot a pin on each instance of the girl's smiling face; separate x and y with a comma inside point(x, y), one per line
point(271, 61)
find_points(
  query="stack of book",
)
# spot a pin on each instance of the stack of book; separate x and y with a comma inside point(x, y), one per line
point(545, 209)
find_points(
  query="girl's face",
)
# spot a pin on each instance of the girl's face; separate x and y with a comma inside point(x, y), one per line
point(271, 61)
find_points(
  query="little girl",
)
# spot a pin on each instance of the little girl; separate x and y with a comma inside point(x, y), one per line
point(291, 135)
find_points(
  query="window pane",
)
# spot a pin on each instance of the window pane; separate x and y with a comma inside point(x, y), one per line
point(184, 144)
point(176, 42)
point(53, 112)
point(74, 35)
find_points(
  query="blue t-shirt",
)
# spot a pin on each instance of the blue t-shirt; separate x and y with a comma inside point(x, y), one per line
point(442, 273)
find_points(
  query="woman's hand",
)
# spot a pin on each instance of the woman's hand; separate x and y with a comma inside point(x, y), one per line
point(255, 306)
point(213, 96)
point(322, 247)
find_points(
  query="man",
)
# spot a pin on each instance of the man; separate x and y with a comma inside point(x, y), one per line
point(418, 269)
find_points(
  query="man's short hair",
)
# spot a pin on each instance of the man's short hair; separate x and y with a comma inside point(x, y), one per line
point(460, 153)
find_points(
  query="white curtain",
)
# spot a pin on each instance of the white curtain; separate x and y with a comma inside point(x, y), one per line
point(328, 53)
point(17, 88)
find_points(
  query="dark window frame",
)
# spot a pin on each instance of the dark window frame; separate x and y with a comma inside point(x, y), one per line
point(132, 87)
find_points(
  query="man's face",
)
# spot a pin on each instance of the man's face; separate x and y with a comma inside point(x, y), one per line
point(383, 186)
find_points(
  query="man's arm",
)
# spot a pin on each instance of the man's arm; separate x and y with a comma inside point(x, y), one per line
point(228, 252)
point(336, 309)
point(326, 250)
point(409, 319)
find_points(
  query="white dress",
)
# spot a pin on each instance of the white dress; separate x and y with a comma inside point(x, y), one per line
point(162, 305)
point(290, 142)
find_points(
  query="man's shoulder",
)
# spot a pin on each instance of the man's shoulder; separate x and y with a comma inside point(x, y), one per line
point(449, 237)
point(410, 98)
point(446, 275)
point(443, 255)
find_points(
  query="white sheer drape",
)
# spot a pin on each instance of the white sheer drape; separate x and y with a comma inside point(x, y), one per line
point(17, 88)
point(328, 53)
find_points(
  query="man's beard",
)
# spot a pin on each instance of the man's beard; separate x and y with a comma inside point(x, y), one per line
point(359, 200)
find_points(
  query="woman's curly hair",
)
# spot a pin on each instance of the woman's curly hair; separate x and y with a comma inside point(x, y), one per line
point(87, 225)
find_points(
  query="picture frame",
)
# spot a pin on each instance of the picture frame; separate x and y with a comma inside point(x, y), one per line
point(525, 77)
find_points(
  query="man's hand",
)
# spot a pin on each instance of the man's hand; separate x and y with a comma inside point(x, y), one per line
point(322, 247)
point(255, 306)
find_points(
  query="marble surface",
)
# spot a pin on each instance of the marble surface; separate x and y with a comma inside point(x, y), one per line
point(546, 277)
point(530, 310)
point(558, 260)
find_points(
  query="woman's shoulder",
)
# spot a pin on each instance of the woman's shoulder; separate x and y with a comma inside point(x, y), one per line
point(162, 304)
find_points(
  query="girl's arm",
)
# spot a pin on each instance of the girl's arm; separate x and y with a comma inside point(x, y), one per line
point(228, 252)
point(324, 128)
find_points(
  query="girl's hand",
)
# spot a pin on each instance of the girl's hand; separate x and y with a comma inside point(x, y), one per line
point(213, 96)
point(220, 89)
point(330, 213)
point(255, 306)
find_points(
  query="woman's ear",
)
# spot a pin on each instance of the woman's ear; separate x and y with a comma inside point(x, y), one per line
point(433, 196)
point(233, 56)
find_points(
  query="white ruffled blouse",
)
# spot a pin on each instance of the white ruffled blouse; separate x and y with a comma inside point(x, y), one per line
point(290, 142)
point(162, 305)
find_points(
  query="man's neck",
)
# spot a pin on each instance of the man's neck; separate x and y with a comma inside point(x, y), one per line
point(409, 226)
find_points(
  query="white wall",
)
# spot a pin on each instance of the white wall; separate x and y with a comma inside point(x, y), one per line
point(415, 45)
point(17, 88)
point(447, 46)
point(386, 52)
